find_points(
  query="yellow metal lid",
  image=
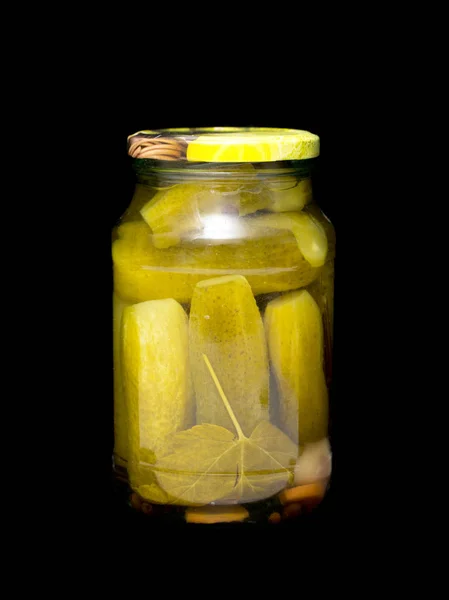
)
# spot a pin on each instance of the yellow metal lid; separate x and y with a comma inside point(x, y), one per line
point(224, 144)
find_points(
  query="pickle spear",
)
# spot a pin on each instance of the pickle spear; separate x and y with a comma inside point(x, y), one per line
point(156, 378)
point(173, 213)
point(294, 330)
point(225, 325)
point(120, 411)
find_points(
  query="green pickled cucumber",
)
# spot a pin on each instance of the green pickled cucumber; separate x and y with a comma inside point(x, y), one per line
point(294, 331)
point(238, 193)
point(142, 195)
point(226, 326)
point(269, 259)
point(318, 215)
point(253, 199)
point(289, 194)
point(245, 193)
point(277, 196)
point(120, 412)
point(157, 382)
point(309, 233)
point(322, 291)
point(173, 213)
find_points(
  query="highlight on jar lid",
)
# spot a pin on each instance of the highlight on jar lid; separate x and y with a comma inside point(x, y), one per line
point(224, 144)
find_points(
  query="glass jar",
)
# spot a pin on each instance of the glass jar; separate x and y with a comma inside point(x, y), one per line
point(223, 314)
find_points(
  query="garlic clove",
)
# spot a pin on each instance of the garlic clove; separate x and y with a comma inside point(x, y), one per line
point(314, 464)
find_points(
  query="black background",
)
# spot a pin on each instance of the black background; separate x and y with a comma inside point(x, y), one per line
point(336, 75)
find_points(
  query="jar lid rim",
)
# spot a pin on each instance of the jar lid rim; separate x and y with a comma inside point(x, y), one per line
point(224, 144)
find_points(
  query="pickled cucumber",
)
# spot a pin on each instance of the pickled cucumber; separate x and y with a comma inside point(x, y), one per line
point(325, 223)
point(142, 196)
point(120, 413)
point(309, 233)
point(322, 291)
point(157, 382)
point(226, 326)
point(176, 213)
point(253, 199)
point(244, 193)
point(289, 194)
point(294, 331)
point(278, 195)
point(173, 213)
point(269, 259)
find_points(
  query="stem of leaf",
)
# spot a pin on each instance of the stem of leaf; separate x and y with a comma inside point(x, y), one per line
point(240, 433)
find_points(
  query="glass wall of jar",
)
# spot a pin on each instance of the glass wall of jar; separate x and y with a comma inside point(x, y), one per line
point(223, 315)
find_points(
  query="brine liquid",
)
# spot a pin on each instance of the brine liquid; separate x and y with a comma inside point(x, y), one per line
point(222, 362)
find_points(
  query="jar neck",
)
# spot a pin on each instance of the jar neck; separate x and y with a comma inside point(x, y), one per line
point(151, 172)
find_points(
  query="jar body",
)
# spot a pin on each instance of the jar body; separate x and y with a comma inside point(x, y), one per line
point(223, 317)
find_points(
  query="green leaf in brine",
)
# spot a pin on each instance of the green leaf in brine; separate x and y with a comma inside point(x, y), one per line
point(209, 463)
